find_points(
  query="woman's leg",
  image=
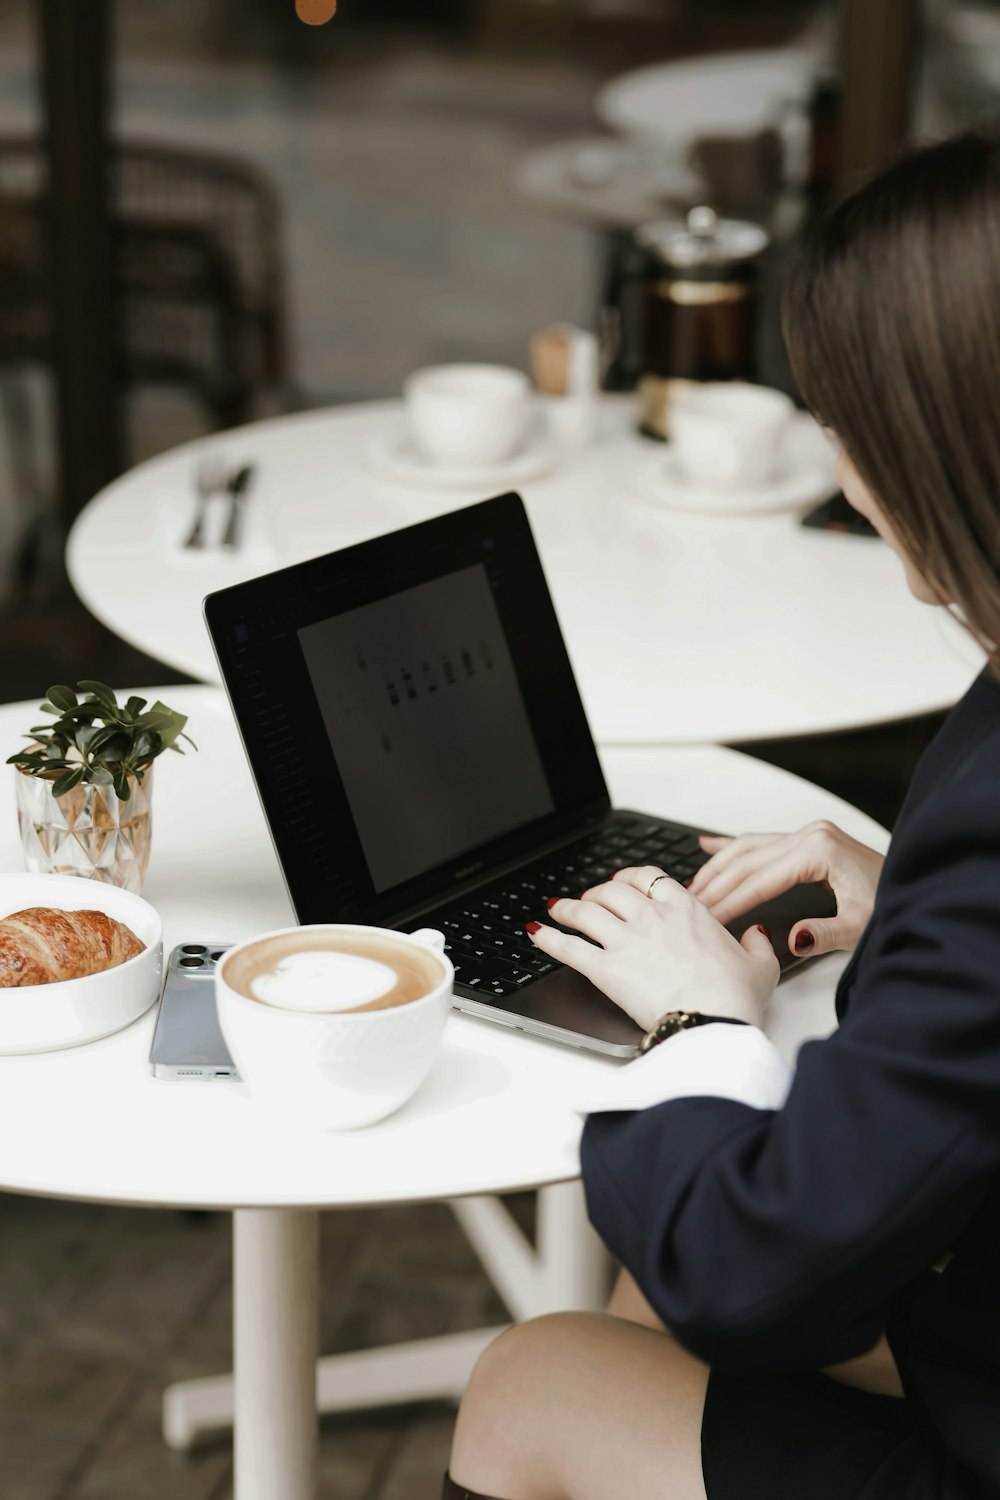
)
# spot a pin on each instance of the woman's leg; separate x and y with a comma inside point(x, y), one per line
point(582, 1406)
point(875, 1371)
point(628, 1302)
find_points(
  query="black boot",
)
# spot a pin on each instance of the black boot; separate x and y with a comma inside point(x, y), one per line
point(453, 1491)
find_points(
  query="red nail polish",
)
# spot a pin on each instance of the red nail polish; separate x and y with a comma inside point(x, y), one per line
point(531, 928)
point(550, 901)
point(764, 930)
point(689, 883)
point(804, 941)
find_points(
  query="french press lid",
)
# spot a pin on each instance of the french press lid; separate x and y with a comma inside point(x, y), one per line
point(703, 246)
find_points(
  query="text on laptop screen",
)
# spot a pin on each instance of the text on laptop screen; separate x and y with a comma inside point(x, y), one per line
point(428, 724)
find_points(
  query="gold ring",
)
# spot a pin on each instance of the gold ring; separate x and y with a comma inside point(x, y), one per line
point(649, 893)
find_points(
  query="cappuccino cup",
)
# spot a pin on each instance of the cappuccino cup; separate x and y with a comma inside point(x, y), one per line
point(467, 415)
point(728, 434)
point(335, 1026)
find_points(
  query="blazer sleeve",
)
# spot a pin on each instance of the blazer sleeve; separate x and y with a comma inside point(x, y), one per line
point(776, 1239)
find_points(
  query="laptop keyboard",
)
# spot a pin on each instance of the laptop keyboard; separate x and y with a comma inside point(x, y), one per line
point(484, 933)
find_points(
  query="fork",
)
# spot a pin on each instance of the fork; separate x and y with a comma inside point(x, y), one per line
point(209, 480)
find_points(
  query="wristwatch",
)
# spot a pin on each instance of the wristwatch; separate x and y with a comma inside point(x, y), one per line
point(681, 1020)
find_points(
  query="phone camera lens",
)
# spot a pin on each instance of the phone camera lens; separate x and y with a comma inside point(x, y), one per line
point(194, 948)
point(192, 963)
point(219, 952)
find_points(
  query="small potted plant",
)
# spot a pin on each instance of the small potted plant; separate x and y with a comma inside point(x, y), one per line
point(85, 788)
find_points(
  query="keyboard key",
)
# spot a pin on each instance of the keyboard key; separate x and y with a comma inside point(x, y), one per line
point(501, 987)
point(540, 965)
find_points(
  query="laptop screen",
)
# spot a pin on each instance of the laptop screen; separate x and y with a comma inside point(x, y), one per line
point(408, 709)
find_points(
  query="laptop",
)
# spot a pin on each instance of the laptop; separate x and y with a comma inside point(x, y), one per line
point(417, 738)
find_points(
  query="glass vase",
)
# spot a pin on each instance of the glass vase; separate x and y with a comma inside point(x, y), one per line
point(88, 831)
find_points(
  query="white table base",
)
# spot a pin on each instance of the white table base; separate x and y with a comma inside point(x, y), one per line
point(277, 1386)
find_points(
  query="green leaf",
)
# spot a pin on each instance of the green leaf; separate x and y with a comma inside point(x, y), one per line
point(104, 734)
point(66, 783)
point(147, 746)
point(113, 750)
point(135, 705)
point(173, 726)
point(63, 697)
point(101, 776)
point(101, 692)
point(121, 785)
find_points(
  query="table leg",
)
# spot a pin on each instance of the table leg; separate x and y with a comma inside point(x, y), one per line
point(578, 1267)
point(275, 1346)
point(569, 1269)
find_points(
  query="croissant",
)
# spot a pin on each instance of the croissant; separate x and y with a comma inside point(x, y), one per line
point(41, 945)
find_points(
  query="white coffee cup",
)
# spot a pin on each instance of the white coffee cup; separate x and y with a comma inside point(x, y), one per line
point(471, 415)
point(334, 1069)
point(728, 433)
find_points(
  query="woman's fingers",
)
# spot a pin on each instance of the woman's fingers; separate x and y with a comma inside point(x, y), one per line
point(575, 952)
point(750, 882)
point(616, 896)
point(816, 935)
point(724, 852)
point(640, 878)
point(589, 917)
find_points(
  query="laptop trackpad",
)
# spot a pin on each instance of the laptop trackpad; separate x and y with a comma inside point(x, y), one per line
point(571, 1003)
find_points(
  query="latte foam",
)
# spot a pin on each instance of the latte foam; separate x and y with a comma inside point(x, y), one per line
point(327, 970)
point(320, 980)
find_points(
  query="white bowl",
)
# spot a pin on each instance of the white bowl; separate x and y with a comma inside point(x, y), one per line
point(335, 1070)
point(44, 1017)
point(728, 433)
point(467, 414)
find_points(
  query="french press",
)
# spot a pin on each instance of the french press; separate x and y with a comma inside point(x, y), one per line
point(699, 307)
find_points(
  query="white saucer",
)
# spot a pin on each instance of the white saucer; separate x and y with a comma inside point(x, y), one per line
point(398, 458)
point(804, 475)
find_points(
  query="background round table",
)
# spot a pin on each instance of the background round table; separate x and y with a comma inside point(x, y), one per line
point(682, 628)
point(495, 1114)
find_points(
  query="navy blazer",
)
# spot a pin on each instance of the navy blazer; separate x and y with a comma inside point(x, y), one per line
point(790, 1240)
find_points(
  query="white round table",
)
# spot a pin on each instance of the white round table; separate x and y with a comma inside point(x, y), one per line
point(682, 628)
point(496, 1113)
point(721, 93)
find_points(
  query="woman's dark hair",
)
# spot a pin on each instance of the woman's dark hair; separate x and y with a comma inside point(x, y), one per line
point(892, 321)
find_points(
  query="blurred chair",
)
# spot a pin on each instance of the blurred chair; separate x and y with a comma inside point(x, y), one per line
point(197, 266)
point(199, 297)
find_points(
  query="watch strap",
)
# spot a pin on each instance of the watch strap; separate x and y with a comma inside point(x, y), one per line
point(676, 1021)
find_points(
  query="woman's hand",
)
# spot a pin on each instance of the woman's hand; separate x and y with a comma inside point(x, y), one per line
point(754, 867)
point(660, 952)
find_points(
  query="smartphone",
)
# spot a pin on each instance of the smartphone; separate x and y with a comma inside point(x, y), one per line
point(188, 1043)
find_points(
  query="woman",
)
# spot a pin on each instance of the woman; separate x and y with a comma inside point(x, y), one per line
point(824, 1250)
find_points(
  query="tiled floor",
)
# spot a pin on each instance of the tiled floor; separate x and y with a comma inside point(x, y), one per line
point(101, 1308)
